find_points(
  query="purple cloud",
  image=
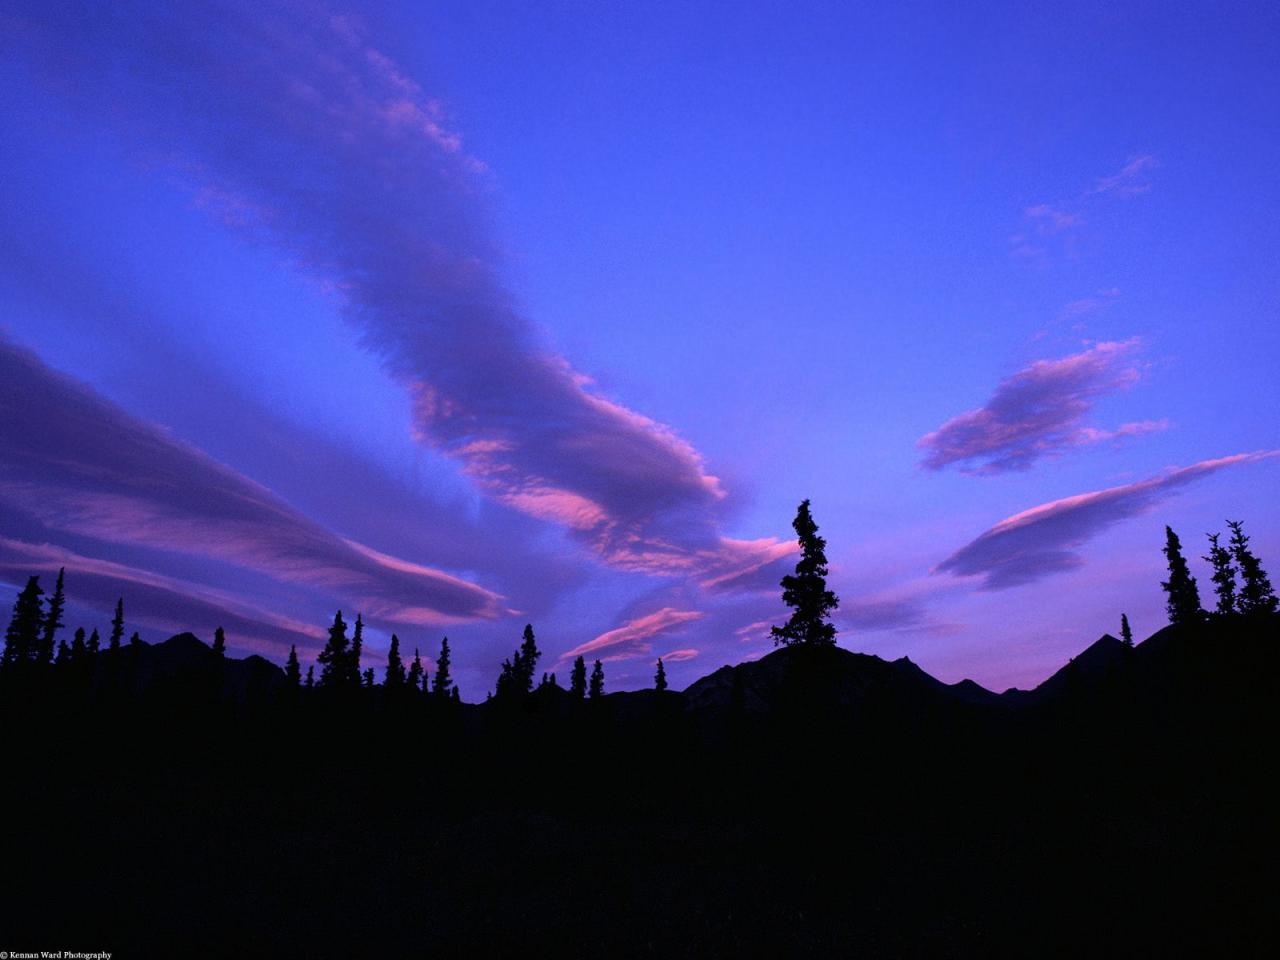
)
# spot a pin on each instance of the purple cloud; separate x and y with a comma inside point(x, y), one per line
point(1038, 412)
point(1044, 540)
point(340, 159)
point(79, 464)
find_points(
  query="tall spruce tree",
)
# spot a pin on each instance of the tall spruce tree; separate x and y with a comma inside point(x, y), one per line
point(660, 678)
point(805, 591)
point(1126, 634)
point(219, 643)
point(1224, 576)
point(357, 650)
point(117, 627)
point(1256, 594)
point(597, 680)
point(95, 644)
point(311, 676)
point(443, 680)
point(292, 668)
point(22, 638)
point(415, 671)
point(53, 618)
point(64, 653)
point(367, 677)
point(79, 648)
point(334, 657)
point(1183, 596)
point(516, 676)
point(395, 677)
point(578, 678)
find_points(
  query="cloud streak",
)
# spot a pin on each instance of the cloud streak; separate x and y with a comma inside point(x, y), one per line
point(342, 160)
point(1045, 540)
point(632, 639)
point(1038, 412)
point(1130, 180)
point(79, 464)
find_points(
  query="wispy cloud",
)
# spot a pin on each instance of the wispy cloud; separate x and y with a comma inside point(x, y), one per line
point(343, 161)
point(1038, 412)
point(632, 639)
point(1129, 180)
point(1045, 540)
point(81, 465)
point(1049, 220)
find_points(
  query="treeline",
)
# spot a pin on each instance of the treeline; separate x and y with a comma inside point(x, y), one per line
point(1240, 584)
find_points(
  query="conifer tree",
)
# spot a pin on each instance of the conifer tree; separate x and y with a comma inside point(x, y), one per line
point(79, 649)
point(64, 654)
point(334, 657)
point(22, 639)
point(95, 644)
point(1256, 594)
point(311, 676)
point(117, 627)
point(135, 641)
point(1224, 576)
point(805, 591)
point(443, 680)
point(357, 650)
point(1183, 600)
point(219, 643)
point(456, 696)
point(660, 678)
point(415, 671)
point(368, 677)
point(528, 657)
point(292, 668)
point(1125, 633)
point(53, 618)
point(394, 678)
point(597, 680)
point(578, 678)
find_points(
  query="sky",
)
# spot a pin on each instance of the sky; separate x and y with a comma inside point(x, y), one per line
point(462, 316)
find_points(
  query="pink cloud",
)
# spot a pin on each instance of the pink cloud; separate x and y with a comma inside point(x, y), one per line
point(1050, 220)
point(631, 640)
point(678, 656)
point(1129, 180)
point(1038, 412)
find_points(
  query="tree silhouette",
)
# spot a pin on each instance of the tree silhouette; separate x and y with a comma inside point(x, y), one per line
point(805, 591)
point(1183, 600)
point(368, 677)
point(292, 668)
point(415, 671)
point(311, 676)
point(1125, 633)
point(660, 678)
point(1256, 595)
point(517, 673)
point(135, 641)
point(53, 618)
point(64, 654)
point(443, 681)
point(333, 658)
point(1224, 576)
point(395, 677)
point(94, 643)
point(117, 627)
point(22, 638)
point(597, 680)
point(357, 650)
point(79, 649)
point(578, 678)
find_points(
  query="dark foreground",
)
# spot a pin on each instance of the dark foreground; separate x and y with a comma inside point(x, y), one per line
point(811, 805)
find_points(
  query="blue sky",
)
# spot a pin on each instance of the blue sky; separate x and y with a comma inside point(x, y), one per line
point(559, 310)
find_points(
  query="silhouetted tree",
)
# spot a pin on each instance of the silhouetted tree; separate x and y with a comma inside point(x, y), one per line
point(311, 676)
point(1125, 633)
point(578, 678)
point(443, 681)
point(79, 649)
point(660, 678)
point(415, 671)
point(457, 697)
point(292, 668)
point(597, 680)
point(334, 657)
point(135, 641)
point(805, 591)
point(53, 618)
point(368, 677)
point(1256, 594)
point(517, 673)
point(1183, 600)
point(357, 650)
point(95, 644)
point(117, 627)
point(1224, 576)
point(219, 643)
point(22, 639)
point(394, 678)
point(64, 654)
